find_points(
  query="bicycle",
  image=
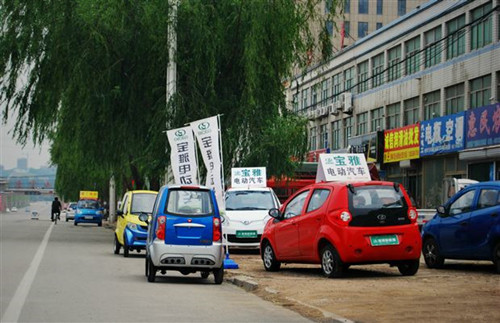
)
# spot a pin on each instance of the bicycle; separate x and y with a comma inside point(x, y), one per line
point(57, 216)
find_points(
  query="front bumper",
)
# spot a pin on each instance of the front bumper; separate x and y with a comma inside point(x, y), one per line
point(88, 218)
point(135, 238)
point(234, 236)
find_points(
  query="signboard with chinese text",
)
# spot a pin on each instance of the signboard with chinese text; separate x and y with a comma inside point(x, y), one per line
point(401, 143)
point(442, 135)
point(248, 177)
point(482, 126)
point(342, 167)
point(89, 195)
point(182, 155)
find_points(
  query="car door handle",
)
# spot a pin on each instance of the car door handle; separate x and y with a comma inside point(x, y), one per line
point(463, 224)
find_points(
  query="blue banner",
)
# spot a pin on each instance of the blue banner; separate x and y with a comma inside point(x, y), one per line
point(442, 135)
point(483, 126)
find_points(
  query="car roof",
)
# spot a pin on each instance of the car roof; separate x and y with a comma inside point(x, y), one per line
point(143, 191)
point(192, 186)
point(239, 189)
point(489, 183)
point(354, 183)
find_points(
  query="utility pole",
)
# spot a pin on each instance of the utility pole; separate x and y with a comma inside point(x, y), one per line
point(112, 199)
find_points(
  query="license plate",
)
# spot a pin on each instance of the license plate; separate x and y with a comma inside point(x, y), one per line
point(89, 217)
point(246, 234)
point(385, 240)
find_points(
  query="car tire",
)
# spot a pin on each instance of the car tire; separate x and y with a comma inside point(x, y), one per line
point(204, 274)
point(66, 219)
point(219, 275)
point(117, 246)
point(125, 248)
point(151, 270)
point(269, 258)
point(496, 257)
point(75, 223)
point(409, 268)
point(146, 271)
point(432, 256)
point(331, 264)
point(99, 224)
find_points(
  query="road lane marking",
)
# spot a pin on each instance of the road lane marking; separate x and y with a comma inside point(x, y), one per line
point(17, 302)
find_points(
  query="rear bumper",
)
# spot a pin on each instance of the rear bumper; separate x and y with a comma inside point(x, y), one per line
point(357, 246)
point(186, 256)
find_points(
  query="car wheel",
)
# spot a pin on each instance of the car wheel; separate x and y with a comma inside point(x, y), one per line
point(125, 248)
point(269, 259)
point(432, 256)
point(204, 274)
point(331, 265)
point(151, 270)
point(219, 275)
point(66, 219)
point(117, 246)
point(409, 268)
point(99, 224)
point(75, 223)
point(496, 257)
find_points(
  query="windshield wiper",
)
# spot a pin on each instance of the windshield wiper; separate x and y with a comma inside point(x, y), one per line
point(390, 204)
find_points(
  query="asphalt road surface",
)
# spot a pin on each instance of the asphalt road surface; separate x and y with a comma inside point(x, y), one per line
point(67, 273)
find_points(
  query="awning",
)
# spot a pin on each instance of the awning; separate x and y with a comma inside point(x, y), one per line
point(485, 152)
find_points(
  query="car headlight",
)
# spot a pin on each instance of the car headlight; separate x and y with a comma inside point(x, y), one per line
point(132, 226)
point(78, 211)
point(99, 213)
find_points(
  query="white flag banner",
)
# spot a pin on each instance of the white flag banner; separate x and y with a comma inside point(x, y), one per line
point(182, 155)
point(207, 134)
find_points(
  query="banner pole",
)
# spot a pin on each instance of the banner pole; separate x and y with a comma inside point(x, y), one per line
point(221, 154)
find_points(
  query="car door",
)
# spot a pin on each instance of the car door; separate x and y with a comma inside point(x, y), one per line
point(454, 226)
point(286, 234)
point(483, 219)
point(120, 220)
point(309, 223)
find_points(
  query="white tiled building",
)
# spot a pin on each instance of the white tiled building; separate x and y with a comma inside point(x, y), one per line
point(440, 59)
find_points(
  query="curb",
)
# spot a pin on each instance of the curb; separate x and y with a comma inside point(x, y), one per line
point(244, 282)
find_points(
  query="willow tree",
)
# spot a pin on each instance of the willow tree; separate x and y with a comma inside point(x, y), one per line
point(90, 77)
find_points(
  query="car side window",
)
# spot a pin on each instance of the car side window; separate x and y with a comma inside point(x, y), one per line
point(124, 204)
point(463, 203)
point(317, 200)
point(296, 205)
point(488, 198)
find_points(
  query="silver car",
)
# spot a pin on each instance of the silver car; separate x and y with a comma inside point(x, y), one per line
point(70, 211)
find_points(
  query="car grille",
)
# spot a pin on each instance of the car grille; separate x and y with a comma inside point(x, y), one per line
point(232, 238)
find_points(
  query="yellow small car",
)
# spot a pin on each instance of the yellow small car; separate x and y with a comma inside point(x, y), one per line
point(131, 233)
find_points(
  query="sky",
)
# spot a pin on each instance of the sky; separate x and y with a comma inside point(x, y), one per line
point(10, 151)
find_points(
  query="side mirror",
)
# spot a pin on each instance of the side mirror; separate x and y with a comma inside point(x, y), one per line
point(274, 213)
point(119, 205)
point(144, 217)
point(441, 210)
point(119, 212)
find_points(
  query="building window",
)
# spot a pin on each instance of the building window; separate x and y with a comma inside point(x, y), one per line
point(412, 48)
point(314, 95)
point(377, 119)
point(362, 125)
point(363, 6)
point(394, 71)
point(323, 136)
point(455, 42)
point(433, 48)
point(312, 139)
point(378, 70)
point(481, 31)
point(432, 106)
point(348, 78)
point(454, 98)
point(304, 99)
point(336, 135)
point(329, 27)
point(347, 28)
point(362, 29)
point(348, 125)
point(401, 7)
point(336, 87)
point(363, 76)
point(393, 116)
point(379, 25)
point(328, 6)
point(295, 103)
point(411, 112)
point(380, 7)
point(480, 91)
point(347, 6)
point(324, 93)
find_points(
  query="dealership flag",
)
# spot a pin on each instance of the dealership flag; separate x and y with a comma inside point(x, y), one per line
point(207, 134)
point(182, 155)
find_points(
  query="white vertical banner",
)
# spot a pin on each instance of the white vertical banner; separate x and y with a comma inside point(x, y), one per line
point(182, 155)
point(207, 134)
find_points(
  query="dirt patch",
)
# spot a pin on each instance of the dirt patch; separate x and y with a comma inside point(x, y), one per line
point(461, 292)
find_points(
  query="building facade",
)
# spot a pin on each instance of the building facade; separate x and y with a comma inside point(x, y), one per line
point(419, 96)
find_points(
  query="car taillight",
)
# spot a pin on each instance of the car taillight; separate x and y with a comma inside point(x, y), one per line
point(216, 229)
point(160, 227)
point(412, 215)
point(345, 217)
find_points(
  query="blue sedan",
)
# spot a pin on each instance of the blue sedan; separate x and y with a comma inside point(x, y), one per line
point(88, 211)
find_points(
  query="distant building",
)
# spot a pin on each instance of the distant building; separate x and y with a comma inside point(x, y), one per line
point(22, 163)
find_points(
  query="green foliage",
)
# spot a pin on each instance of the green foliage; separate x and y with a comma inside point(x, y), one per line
point(93, 77)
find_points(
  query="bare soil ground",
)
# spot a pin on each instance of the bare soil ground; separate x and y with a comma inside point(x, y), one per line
point(461, 292)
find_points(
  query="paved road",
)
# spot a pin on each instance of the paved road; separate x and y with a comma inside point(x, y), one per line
point(67, 273)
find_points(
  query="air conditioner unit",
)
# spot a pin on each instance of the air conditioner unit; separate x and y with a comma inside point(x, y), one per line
point(331, 108)
point(311, 115)
point(337, 105)
point(347, 102)
point(335, 112)
point(318, 112)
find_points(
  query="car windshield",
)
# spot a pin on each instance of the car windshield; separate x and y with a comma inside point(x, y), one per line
point(189, 202)
point(88, 204)
point(142, 203)
point(249, 200)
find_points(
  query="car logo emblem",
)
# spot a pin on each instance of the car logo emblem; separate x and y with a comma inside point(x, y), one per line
point(246, 222)
point(381, 217)
point(204, 126)
point(180, 133)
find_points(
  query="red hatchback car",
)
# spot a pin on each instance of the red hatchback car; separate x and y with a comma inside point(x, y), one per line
point(338, 224)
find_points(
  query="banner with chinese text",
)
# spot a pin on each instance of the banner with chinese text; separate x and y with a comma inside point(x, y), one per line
point(182, 155)
point(248, 177)
point(401, 143)
point(442, 135)
point(483, 126)
point(342, 167)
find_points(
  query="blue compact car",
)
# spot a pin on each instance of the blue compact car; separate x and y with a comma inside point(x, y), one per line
point(466, 227)
point(88, 211)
